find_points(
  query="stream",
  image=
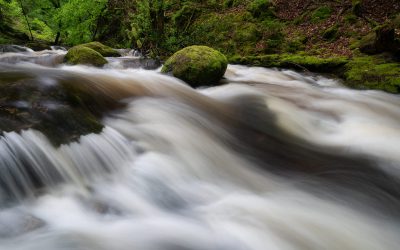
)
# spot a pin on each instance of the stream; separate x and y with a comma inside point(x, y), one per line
point(270, 159)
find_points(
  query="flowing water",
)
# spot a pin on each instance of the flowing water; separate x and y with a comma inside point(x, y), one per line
point(272, 159)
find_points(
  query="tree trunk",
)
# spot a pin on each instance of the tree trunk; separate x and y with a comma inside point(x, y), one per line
point(57, 40)
point(26, 18)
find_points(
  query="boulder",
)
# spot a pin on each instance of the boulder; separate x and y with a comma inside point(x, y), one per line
point(83, 55)
point(38, 45)
point(102, 49)
point(197, 65)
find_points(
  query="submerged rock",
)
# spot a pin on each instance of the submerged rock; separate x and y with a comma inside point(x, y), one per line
point(83, 55)
point(102, 49)
point(197, 65)
point(13, 48)
point(61, 105)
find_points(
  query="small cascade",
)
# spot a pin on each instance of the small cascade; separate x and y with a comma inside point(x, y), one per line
point(55, 47)
point(29, 162)
point(14, 48)
point(130, 53)
point(49, 58)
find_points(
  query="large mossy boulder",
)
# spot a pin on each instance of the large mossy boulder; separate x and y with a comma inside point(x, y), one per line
point(83, 55)
point(197, 65)
point(102, 49)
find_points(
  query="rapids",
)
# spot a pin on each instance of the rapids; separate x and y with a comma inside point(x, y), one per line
point(271, 159)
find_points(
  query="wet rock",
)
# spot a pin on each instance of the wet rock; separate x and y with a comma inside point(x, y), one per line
point(38, 45)
point(63, 110)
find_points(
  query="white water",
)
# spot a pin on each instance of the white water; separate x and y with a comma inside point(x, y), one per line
point(175, 169)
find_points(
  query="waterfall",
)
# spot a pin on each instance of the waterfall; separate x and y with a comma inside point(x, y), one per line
point(271, 159)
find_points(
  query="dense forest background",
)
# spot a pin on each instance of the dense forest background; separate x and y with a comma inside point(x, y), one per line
point(160, 27)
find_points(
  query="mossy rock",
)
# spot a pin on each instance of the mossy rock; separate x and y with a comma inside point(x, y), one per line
point(83, 55)
point(197, 65)
point(102, 49)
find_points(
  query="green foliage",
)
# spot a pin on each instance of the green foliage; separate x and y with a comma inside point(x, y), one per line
point(41, 31)
point(75, 20)
point(321, 14)
point(79, 24)
point(10, 16)
point(148, 25)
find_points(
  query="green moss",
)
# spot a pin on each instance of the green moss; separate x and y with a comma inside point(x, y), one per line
point(301, 18)
point(261, 9)
point(231, 33)
point(232, 3)
point(367, 43)
point(295, 61)
point(84, 55)
point(350, 18)
point(102, 49)
point(248, 33)
point(331, 33)
point(197, 65)
point(321, 14)
point(296, 44)
point(373, 72)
